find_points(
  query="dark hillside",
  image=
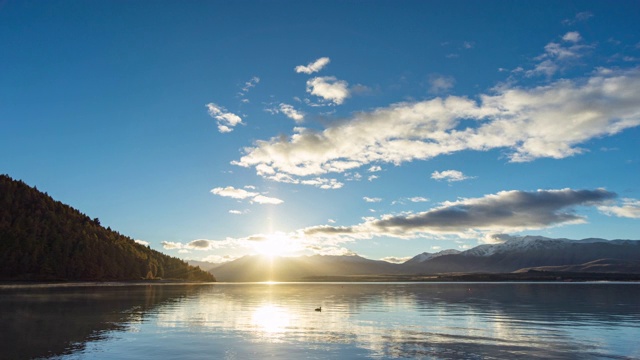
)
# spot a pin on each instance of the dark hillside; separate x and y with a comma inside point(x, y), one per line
point(44, 239)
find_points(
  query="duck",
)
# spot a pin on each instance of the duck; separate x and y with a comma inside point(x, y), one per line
point(319, 308)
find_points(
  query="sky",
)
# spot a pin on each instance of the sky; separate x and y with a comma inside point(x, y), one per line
point(210, 130)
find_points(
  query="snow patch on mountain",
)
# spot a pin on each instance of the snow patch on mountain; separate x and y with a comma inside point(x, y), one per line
point(524, 244)
point(428, 256)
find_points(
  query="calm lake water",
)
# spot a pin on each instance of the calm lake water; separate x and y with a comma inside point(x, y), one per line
point(357, 321)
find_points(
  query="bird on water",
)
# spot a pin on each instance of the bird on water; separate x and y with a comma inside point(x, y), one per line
point(319, 308)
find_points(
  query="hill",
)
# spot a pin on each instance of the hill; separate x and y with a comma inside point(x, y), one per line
point(44, 239)
point(263, 268)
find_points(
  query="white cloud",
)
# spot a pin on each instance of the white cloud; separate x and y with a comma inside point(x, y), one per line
point(371, 200)
point(261, 199)
point(630, 208)
point(548, 121)
point(238, 212)
point(142, 242)
point(291, 112)
point(226, 120)
point(449, 175)
point(418, 199)
point(572, 36)
point(372, 177)
point(375, 168)
point(169, 245)
point(439, 83)
point(313, 66)
point(234, 193)
point(557, 56)
point(248, 85)
point(329, 88)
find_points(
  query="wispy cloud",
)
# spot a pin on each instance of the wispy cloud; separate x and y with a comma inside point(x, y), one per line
point(248, 85)
point(313, 66)
point(226, 120)
point(329, 88)
point(440, 83)
point(255, 197)
point(558, 56)
point(371, 200)
point(630, 208)
point(580, 17)
point(142, 242)
point(291, 112)
point(449, 175)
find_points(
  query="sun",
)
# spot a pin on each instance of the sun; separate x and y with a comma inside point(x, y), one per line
point(275, 245)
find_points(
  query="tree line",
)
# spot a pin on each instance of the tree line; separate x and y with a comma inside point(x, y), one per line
point(44, 239)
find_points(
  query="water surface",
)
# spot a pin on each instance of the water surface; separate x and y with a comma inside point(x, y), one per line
point(357, 321)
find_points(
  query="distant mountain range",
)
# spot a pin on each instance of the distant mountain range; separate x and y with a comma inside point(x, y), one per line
point(516, 255)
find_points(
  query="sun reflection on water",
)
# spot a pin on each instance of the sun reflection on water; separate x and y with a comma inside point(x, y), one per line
point(271, 319)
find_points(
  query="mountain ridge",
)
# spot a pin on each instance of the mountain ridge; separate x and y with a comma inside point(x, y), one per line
point(515, 254)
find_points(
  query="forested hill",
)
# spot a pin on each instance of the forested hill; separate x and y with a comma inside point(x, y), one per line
point(44, 239)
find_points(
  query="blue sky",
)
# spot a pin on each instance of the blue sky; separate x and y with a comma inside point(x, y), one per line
point(211, 130)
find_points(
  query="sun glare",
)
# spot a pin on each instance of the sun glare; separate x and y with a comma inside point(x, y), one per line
point(275, 245)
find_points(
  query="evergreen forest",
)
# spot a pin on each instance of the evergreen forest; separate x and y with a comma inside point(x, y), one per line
point(42, 239)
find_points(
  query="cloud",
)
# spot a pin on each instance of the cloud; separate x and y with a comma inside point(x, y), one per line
point(505, 211)
point(169, 245)
point(261, 199)
point(375, 168)
point(558, 56)
point(396, 260)
point(234, 193)
point(329, 88)
point(580, 17)
point(549, 121)
point(248, 85)
point(313, 66)
point(371, 200)
point(142, 242)
point(238, 212)
point(439, 84)
point(226, 120)
point(291, 112)
point(418, 199)
point(630, 208)
point(449, 175)
point(572, 36)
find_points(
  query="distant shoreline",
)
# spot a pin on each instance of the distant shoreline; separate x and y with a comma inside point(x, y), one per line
point(530, 276)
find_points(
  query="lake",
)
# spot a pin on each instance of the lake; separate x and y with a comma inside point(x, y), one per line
point(357, 321)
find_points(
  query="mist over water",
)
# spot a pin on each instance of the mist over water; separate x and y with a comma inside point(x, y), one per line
point(373, 320)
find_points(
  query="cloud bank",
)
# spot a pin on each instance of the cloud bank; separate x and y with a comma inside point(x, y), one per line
point(503, 212)
point(529, 123)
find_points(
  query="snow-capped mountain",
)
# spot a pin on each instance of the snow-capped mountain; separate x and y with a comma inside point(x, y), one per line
point(428, 256)
point(515, 254)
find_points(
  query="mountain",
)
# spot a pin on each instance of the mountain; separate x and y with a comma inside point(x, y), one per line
point(44, 239)
point(518, 254)
point(420, 258)
point(263, 268)
point(529, 252)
